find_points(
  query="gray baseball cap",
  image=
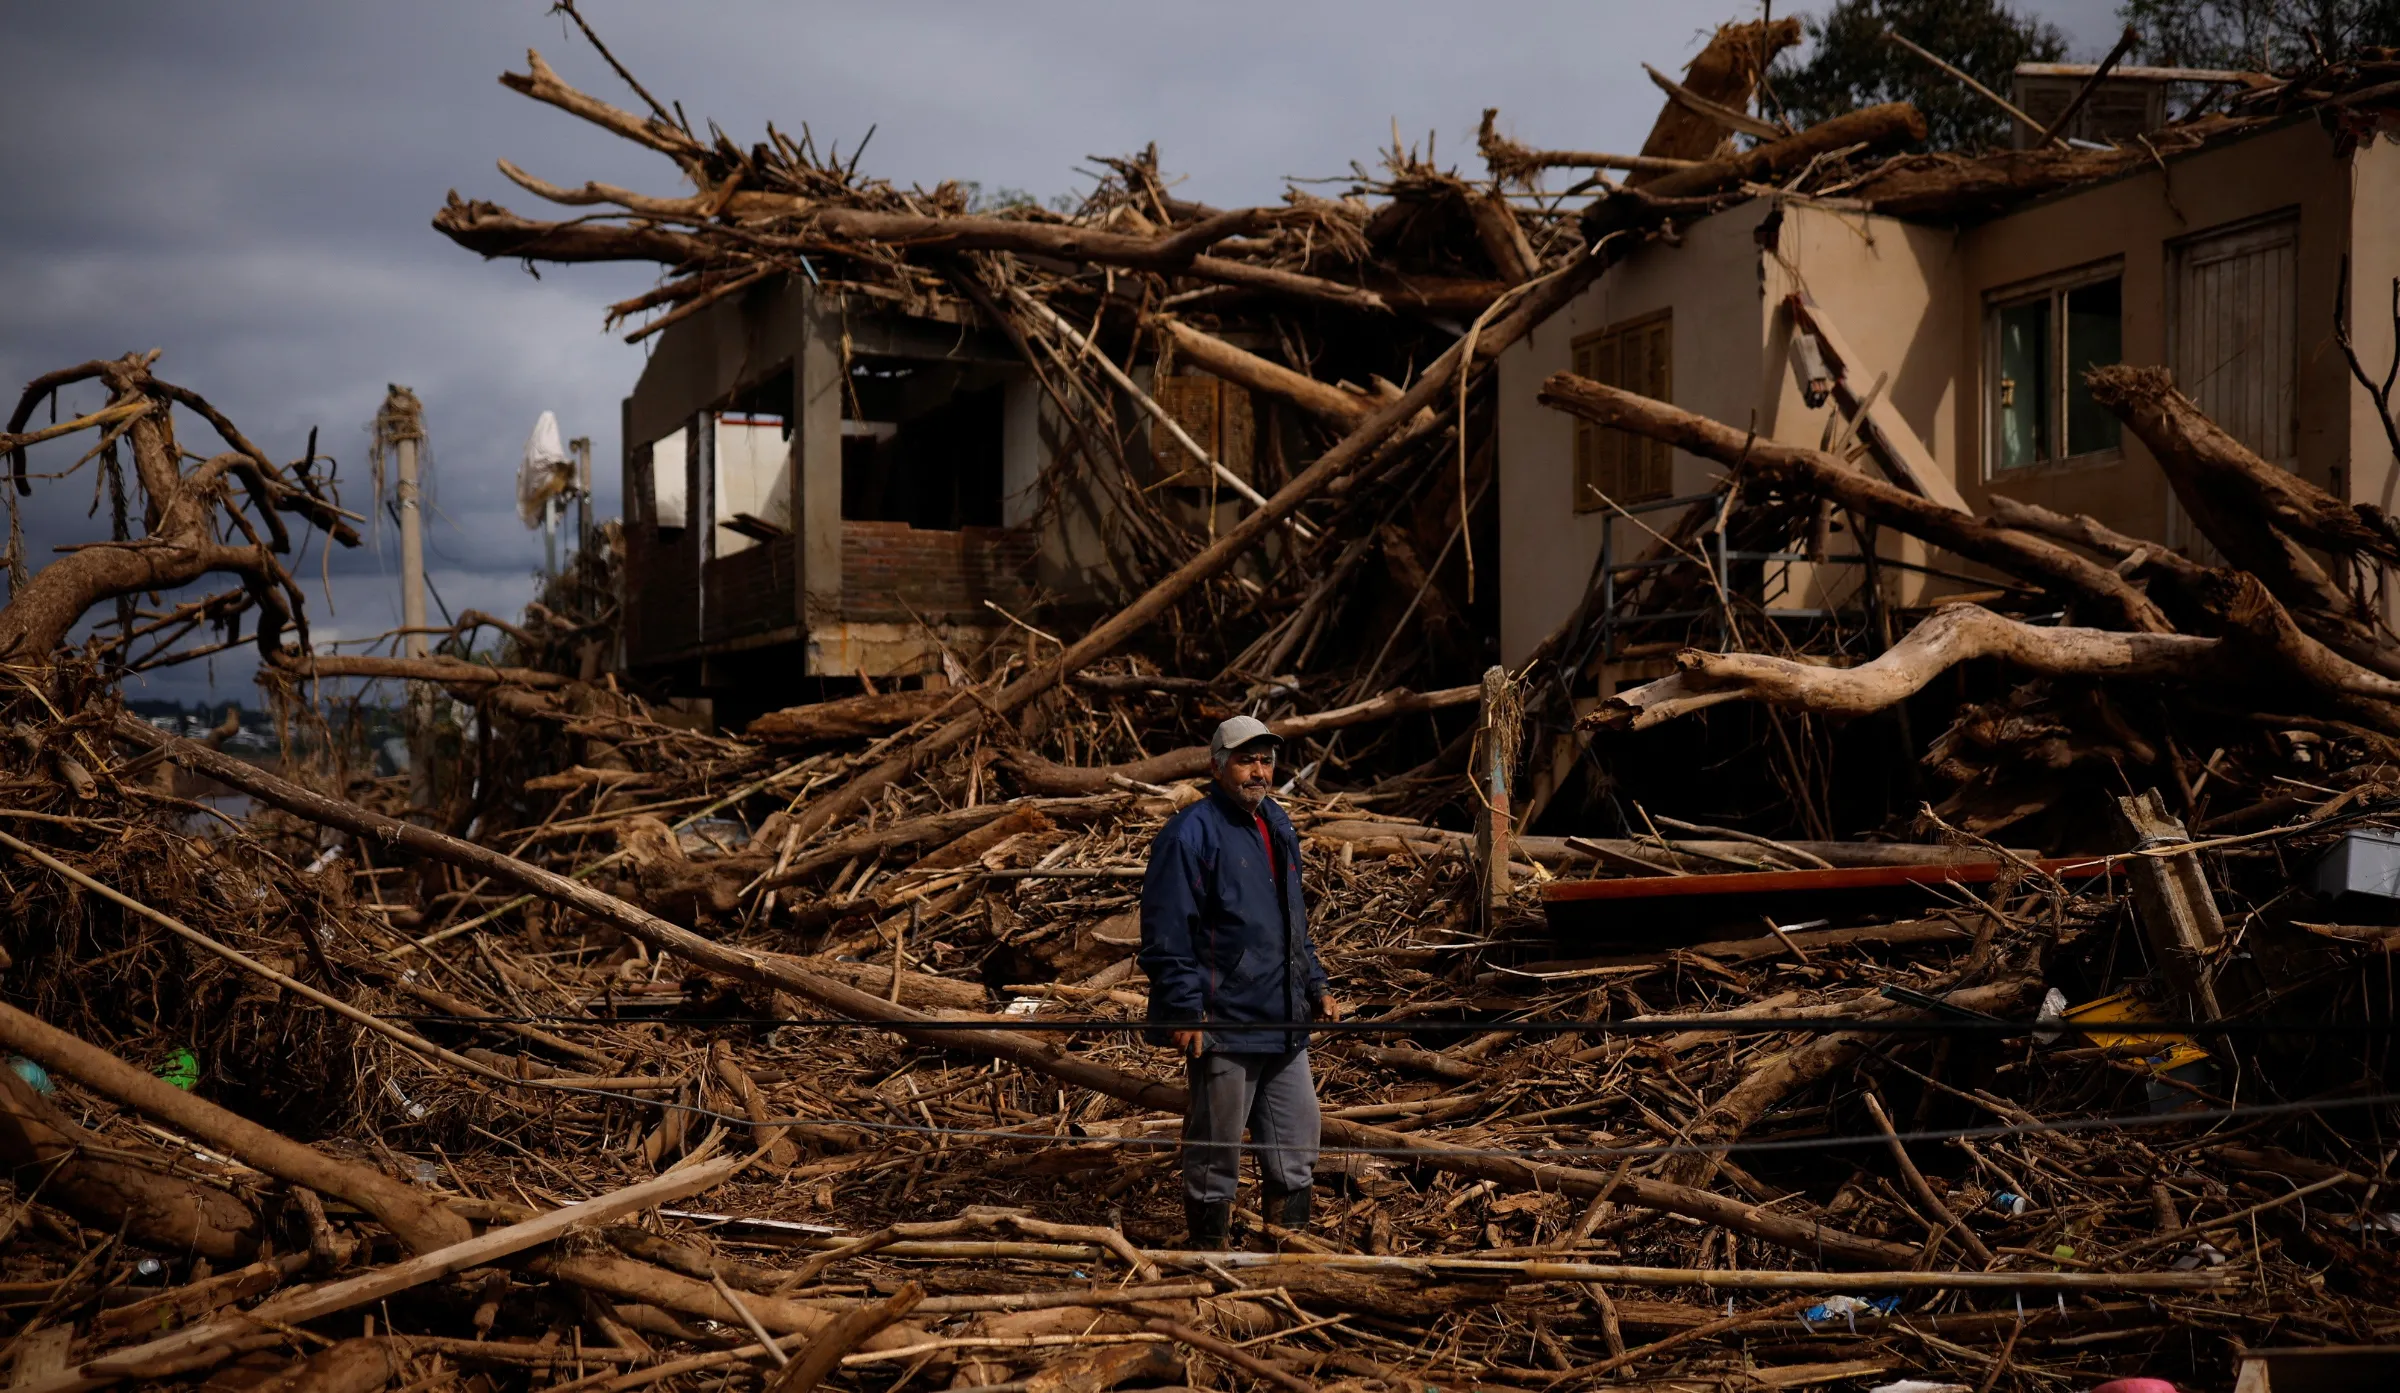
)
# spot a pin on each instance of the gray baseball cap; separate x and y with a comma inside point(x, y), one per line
point(1237, 731)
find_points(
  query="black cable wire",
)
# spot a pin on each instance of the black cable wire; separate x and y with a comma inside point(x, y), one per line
point(1768, 1025)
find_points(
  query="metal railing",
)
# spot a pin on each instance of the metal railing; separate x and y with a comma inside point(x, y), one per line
point(1711, 551)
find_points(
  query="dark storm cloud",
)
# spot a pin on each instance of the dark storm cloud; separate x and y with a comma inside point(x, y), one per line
point(247, 186)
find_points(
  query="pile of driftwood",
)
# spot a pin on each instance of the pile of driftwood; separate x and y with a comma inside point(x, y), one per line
point(646, 1055)
point(686, 1083)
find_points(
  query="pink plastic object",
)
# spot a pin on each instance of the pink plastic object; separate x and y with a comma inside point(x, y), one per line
point(2136, 1385)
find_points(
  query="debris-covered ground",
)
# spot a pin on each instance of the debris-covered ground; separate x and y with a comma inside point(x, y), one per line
point(645, 1055)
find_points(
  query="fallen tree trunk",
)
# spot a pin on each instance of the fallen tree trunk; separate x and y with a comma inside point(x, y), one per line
point(1218, 358)
point(1955, 634)
point(202, 1346)
point(1021, 1049)
point(872, 713)
point(413, 1218)
point(1955, 186)
point(2257, 514)
point(2088, 532)
point(628, 1280)
point(1876, 127)
point(1725, 72)
point(75, 1170)
point(2264, 650)
point(937, 827)
point(358, 1365)
point(1045, 776)
point(2034, 558)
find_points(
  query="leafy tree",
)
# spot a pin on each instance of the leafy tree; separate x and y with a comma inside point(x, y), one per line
point(1850, 64)
point(2259, 34)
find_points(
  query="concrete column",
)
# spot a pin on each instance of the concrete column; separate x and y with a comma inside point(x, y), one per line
point(819, 390)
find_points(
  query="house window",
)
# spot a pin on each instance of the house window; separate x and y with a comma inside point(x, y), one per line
point(1614, 465)
point(1215, 414)
point(753, 457)
point(2041, 341)
point(923, 442)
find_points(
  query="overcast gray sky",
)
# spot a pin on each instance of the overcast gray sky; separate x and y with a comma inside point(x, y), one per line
point(248, 186)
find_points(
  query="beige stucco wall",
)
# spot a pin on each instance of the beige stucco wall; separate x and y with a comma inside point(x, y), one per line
point(1888, 286)
point(2374, 262)
point(1711, 281)
point(2140, 218)
point(1890, 290)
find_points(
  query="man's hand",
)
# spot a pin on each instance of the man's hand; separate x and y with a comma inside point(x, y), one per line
point(1188, 1043)
point(1327, 1008)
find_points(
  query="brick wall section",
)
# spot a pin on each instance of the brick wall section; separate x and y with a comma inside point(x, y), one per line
point(662, 595)
point(890, 570)
point(749, 592)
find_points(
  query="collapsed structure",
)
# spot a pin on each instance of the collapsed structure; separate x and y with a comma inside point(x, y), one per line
point(794, 1048)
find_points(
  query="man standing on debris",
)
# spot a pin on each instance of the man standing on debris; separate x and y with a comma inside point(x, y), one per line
point(1225, 943)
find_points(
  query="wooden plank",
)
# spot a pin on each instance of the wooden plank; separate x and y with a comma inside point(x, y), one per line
point(2178, 911)
point(1895, 446)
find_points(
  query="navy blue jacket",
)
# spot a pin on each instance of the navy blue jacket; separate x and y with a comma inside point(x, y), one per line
point(1224, 938)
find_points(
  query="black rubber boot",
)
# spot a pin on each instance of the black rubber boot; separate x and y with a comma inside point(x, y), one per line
point(1207, 1226)
point(1286, 1209)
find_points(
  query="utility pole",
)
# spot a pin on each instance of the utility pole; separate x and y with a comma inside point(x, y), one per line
point(581, 448)
point(406, 430)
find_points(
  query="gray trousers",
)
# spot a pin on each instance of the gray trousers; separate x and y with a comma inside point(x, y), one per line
point(1270, 1094)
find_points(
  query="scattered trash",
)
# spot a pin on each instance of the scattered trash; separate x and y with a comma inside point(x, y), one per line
point(1849, 1308)
point(2203, 1254)
point(182, 1069)
point(2172, 1059)
point(2364, 862)
point(2053, 1008)
point(415, 1110)
point(34, 1075)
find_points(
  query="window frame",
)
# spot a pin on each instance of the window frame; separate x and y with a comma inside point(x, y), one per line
point(1583, 462)
point(2052, 290)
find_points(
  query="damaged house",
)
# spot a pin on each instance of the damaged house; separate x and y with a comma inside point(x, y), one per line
point(817, 488)
point(821, 485)
point(1934, 322)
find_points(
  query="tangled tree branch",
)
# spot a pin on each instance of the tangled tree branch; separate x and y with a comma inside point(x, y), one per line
point(180, 515)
